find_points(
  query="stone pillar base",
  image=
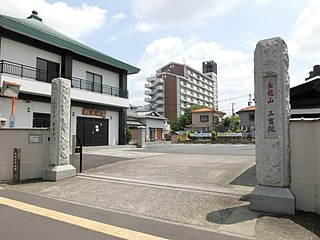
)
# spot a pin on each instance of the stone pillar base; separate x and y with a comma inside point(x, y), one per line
point(143, 145)
point(273, 200)
point(56, 173)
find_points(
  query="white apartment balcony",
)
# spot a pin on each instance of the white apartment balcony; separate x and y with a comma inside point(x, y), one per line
point(156, 81)
point(159, 109)
point(157, 96)
point(147, 99)
point(146, 85)
point(158, 102)
point(157, 89)
point(147, 92)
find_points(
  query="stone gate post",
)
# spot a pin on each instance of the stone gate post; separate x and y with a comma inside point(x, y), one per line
point(59, 166)
point(272, 97)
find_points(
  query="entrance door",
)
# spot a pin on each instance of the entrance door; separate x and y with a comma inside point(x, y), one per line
point(92, 131)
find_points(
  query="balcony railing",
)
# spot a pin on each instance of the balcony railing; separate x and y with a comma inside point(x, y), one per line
point(24, 71)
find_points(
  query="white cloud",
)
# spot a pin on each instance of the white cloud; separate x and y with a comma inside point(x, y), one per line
point(76, 22)
point(180, 12)
point(262, 2)
point(117, 17)
point(235, 68)
point(111, 39)
point(145, 27)
point(305, 38)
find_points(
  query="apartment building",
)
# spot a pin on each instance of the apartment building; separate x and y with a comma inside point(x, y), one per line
point(176, 87)
point(32, 54)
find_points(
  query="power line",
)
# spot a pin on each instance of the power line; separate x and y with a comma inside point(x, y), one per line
point(229, 99)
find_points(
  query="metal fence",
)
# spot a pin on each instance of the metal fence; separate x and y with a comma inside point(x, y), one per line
point(24, 71)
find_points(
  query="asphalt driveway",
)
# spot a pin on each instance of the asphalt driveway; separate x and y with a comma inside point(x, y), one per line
point(203, 186)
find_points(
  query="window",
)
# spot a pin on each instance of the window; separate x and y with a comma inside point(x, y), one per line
point(204, 118)
point(47, 70)
point(215, 119)
point(251, 117)
point(93, 83)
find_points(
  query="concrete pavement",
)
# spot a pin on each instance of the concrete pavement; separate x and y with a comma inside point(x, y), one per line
point(189, 186)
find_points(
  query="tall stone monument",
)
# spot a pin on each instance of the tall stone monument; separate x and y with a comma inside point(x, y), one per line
point(59, 167)
point(141, 137)
point(272, 97)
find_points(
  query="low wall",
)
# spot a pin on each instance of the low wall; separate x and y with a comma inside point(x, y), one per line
point(34, 146)
point(305, 163)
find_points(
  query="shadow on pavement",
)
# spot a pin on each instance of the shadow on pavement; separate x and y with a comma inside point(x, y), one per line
point(232, 215)
point(309, 221)
point(93, 161)
point(247, 178)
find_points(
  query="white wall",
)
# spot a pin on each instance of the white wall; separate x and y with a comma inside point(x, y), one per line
point(305, 163)
point(113, 128)
point(24, 54)
point(34, 156)
point(152, 123)
point(108, 78)
point(98, 98)
point(23, 118)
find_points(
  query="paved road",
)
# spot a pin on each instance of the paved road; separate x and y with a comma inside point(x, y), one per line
point(30, 217)
point(191, 186)
point(203, 149)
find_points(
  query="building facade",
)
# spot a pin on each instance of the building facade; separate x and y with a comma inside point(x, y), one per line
point(176, 87)
point(32, 54)
point(206, 119)
point(305, 99)
point(156, 125)
point(247, 120)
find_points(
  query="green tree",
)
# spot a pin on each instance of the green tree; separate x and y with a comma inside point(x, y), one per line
point(175, 124)
point(129, 135)
point(230, 124)
point(181, 122)
point(234, 123)
point(214, 135)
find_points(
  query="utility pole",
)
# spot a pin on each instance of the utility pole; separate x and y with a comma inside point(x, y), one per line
point(233, 108)
point(249, 103)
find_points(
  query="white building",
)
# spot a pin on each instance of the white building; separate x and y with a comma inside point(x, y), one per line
point(176, 87)
point(32, 54)
point(156, 125)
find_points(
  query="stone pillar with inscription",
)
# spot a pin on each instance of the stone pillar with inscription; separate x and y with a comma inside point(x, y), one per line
point(141, 136)
point(272, 97)
point(59, 166)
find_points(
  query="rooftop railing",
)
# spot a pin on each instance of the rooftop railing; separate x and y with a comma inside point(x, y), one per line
point(24, 71)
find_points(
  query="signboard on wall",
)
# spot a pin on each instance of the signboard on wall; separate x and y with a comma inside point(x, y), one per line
point(94, 112)
point(10, 89)
point(200, 134)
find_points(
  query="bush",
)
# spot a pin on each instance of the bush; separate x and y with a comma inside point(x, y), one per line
point(189, 132)
point(213, 135)
point(229, 131)
point(129, 135)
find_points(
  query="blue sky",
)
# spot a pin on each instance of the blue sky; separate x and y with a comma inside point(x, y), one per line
point(151, 33)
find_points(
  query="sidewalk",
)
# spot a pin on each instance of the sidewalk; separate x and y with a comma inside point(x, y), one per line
point(201, 191)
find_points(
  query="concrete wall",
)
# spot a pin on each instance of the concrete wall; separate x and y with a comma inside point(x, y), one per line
point(34, 156)
point(305, 163)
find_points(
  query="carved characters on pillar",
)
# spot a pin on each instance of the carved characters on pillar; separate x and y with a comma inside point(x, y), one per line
point(270, 105)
